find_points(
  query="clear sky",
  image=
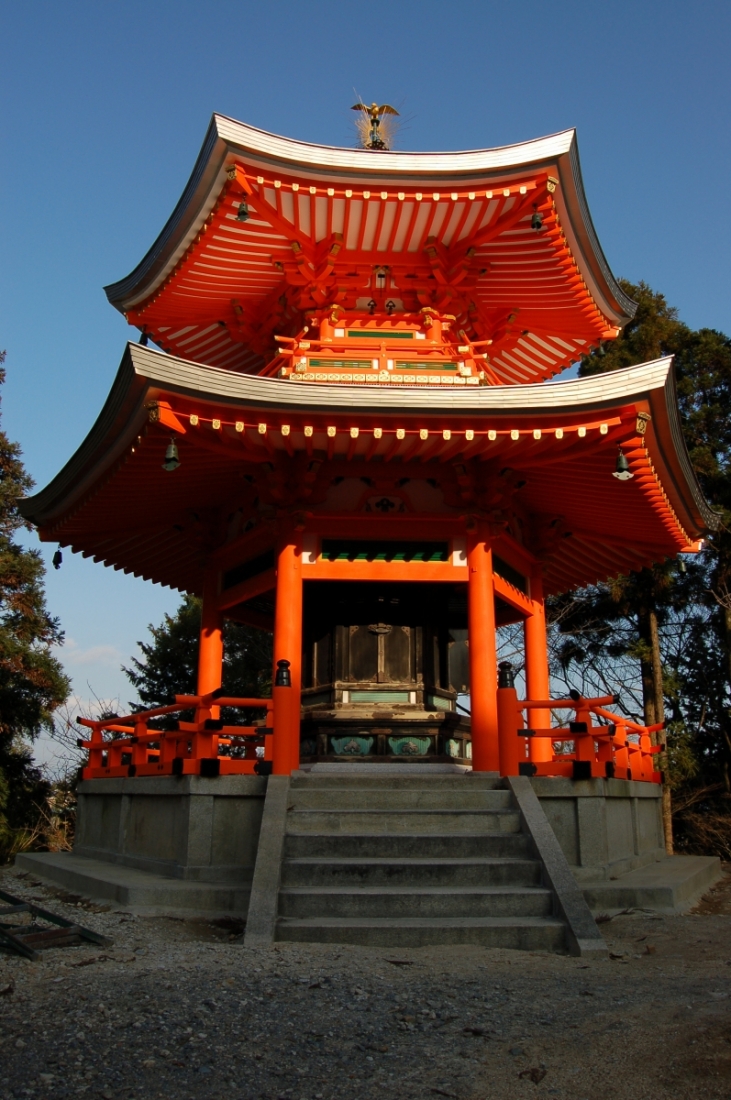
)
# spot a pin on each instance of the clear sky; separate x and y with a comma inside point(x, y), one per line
point(104, 106)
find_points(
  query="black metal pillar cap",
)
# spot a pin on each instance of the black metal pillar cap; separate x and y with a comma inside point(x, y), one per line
point(505, 676)
point(283, 678)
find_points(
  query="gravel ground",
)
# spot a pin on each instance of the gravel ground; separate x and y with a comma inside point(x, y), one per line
point(180, 1009)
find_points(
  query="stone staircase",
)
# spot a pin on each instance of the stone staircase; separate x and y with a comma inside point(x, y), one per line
point(405, 860)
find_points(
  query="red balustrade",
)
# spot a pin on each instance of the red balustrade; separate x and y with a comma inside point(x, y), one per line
point(611, 748)
point(206, 746)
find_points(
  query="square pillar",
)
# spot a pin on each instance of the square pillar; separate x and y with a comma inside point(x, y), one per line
point(210, 653)
point(536, 667)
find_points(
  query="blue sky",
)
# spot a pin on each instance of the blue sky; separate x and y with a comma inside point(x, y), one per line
point(104, 106)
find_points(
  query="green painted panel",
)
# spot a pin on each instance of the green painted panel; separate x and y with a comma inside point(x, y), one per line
point(416, 365)
point(351, 746)
point(350, 550)
point(347, 364)
point(509, 574)
point(379, 696)
point(438, 702)
point(376, 334)
point(409, 746)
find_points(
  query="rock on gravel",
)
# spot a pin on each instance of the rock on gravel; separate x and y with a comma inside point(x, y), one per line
point(180, 1009)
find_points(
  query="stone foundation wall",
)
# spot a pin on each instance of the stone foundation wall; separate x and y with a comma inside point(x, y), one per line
point(208, 829)
point(606, 827)
point(182, 827)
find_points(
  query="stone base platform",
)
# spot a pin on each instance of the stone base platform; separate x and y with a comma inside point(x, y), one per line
point(191, 844)
point(139, 891)
point(672, 885)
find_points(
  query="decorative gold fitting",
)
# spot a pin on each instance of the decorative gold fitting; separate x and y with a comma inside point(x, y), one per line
point(231, 171)
point(552, 184)
point(641, 423)
point(153, 413)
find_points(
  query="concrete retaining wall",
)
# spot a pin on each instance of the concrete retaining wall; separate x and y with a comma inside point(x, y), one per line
point(208, 829)
point(606, 827)
point(181, 827)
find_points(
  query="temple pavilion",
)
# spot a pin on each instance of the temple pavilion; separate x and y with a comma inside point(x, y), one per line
point(348, 437)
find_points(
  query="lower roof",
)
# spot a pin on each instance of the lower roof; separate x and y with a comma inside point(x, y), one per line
point(558, 442)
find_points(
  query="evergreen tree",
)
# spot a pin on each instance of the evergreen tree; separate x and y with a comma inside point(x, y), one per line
point(169, 663)
point(32, 682)
point(673, 620)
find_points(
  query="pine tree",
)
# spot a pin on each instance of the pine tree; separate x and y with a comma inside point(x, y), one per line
point(675, 621)
point(169, 663)
point(32, 682)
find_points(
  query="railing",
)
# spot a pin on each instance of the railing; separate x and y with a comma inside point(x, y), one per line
point(122, 747)
point(613, 748)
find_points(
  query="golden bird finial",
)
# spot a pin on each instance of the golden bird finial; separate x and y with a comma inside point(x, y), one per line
point(369, 125)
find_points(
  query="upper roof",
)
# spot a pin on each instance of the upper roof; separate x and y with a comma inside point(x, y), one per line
point(112, 500)
point(453, 231)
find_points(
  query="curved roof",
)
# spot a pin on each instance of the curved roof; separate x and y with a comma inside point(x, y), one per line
point(113, 501)
point(454, 230)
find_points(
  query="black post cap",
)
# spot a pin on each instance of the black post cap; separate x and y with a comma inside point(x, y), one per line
point(506, 676)
point(283, 678)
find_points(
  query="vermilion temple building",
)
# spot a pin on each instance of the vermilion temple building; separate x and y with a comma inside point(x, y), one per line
point(348, 437)
point(356, 346)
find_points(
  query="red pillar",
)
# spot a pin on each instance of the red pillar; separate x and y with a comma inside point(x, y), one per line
point(483, 653)
point(512, 747)
point(288, 647)
point(210, 654)
point(536, 667)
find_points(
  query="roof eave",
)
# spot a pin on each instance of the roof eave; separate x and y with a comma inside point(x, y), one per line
point(145, 374)
point(226, 139)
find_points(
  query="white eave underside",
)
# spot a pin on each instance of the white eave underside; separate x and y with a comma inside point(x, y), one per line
point(570, 396)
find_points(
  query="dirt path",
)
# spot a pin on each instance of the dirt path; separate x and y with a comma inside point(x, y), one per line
point(180, 1009)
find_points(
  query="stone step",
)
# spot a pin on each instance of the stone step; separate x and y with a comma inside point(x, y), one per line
point(435, 901)
point(418, 798)
point(395, 822)
point(385, 781)
point(425, 845)
point(524, 934)
point(375, 871)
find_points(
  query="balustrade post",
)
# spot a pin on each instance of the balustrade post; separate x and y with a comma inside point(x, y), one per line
point(512, 747)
